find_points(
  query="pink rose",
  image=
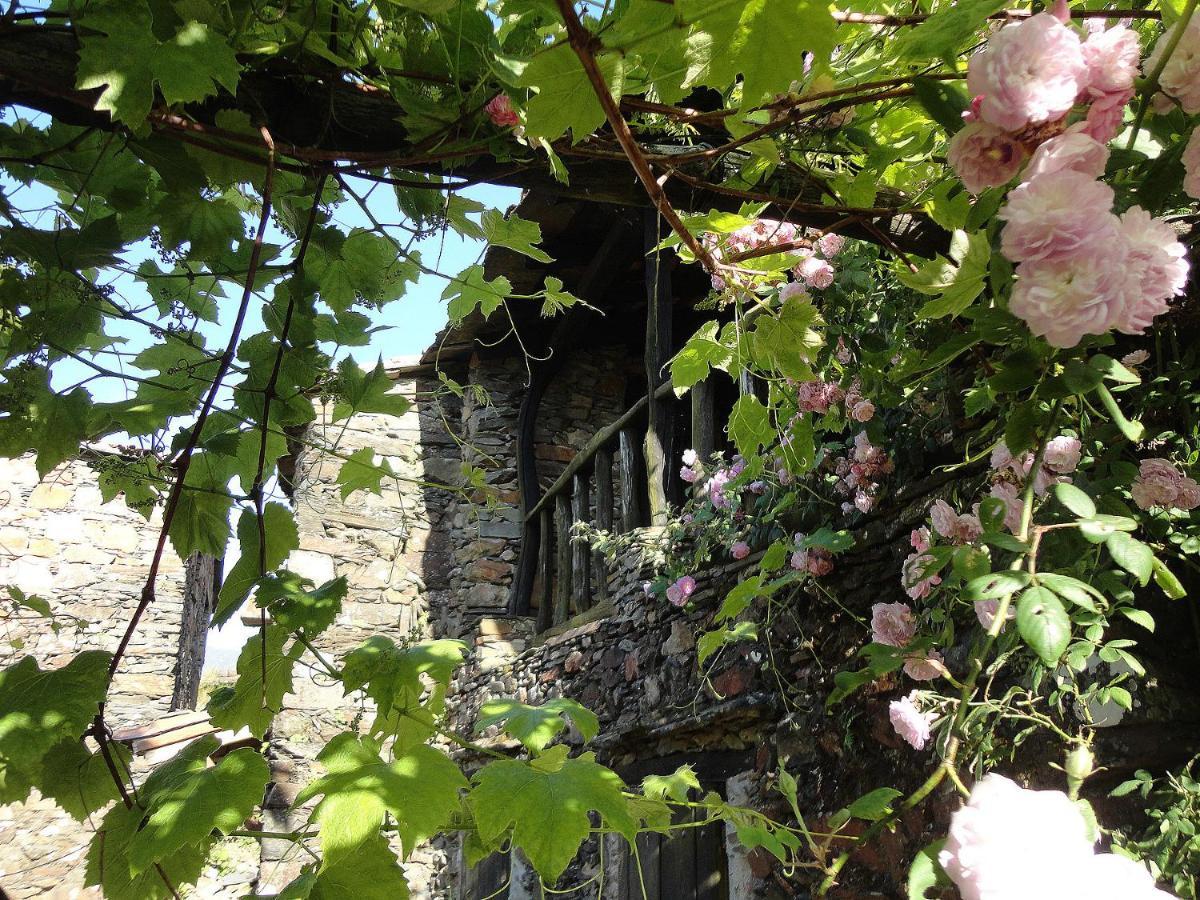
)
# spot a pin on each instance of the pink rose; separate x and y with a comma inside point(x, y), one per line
point(740, 550)
point(1112, 60)
point(863, 411)
point(816, 272)
point(799, 561)
point(917, 585)
point(1106, 115)
point(892, 624)
point(793, 289)
point(1072, 150)
point(500, 111)
point(1008, 842)
point(688, 474)
point(1065, 299)
point(819, 563)
point(1028, 73)
point(1157, 266)
point(1062, 455)
point(910, 723)
point(1134, 359)
point(950, 525)
point(683, 588)
point(984, 156)
point(1159, 483)
point(831, 244)
point(1180, 77)
point(1109, 875)
point(688, 457)
point(1055, 218)
point(1191, 165)
point(919, 538)
point(924, 668)
point(985, 612)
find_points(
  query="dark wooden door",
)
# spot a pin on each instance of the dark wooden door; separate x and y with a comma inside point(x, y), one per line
point(687, 864)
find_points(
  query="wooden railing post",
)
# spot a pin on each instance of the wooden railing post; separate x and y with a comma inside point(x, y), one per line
point(704, 430)
point(604, 516)
point(657, 444)
point(562, 585)
point(545, 565)
point(580, 553)
point(631, 481)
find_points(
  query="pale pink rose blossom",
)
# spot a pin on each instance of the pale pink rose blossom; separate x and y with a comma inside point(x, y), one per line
point(1157, 266)
point(831, 244)
point(950, 525)
point(1028, 73)
point(1013, 504)
point(1062, 454)
point(863, 411)
point(1191, 165)
point(984, 156)
point(1180, 78)
point(924, 668)
point(1072, 150)
point(917, 585)
point(1107, 876)
point(1055, 218)
point(1159, 483)
point(985, 612)
point(910, 723)
point(1008, 843)
point(1112, 59)
point(843, 354)
point(1003, 461)
point(500, 111)
point(819, 563)
point(688, 474)
point(1134, 359)
point(793, 289)
point(919, 538)
point(683, 588)
point(1106, 115)
point(740, 550)
point(1063, 300)
point(892, 624)
point(816, 272)
point(689, 457)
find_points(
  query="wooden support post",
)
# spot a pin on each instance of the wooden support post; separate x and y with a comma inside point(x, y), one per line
point(545, 565)
point(631, 481)
point(704, 431)
point(604, 516)
point(562, 586)
point(658, 443)
point(581, 589)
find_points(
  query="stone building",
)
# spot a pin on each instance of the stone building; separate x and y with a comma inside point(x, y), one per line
point(521, 424)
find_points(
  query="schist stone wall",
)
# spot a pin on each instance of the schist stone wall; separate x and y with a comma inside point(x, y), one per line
point(60, 541)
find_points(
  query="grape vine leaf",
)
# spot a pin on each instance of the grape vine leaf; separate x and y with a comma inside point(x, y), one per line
point(749, 425)
point(948, 27)
point(282, 539)
point(187, 799)
point(360, 472)
point(296, 605)
point(366, 392)
point(246, 704)
point(201, 521)
point(52, 424)
point(109, 865)
point(703, 351)
point(675, 786)
point(368, 872)
point(537, 726)
point(78, 780)
point(546, 802)
point(787, 342)
point(420, 788)
point(470, 289)
point(209, 226)
point(40, 707)
point(392, 675)
point(565, 99)
point(361, 264)
point(514, 233)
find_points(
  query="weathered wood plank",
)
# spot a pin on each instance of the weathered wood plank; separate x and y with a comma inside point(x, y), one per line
point(581, 568)
point(704, 428)
point(604, 517)
point(545, 566)
point(563, 579)
point(631, 481)
point(657, 444)
point(710, 862)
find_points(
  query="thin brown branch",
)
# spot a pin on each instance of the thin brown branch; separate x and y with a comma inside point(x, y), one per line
point(582, 42)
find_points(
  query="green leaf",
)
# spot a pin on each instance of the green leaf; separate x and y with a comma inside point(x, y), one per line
point(78, 780)
point(943, 102)
point(1165, 579)
point(201, 521)
point(537, 726)
point(39, 708)
point(739, 599)
point(546, 802)
point(787, 343)
point(366, 392)
point(360, 472)
point(1075, 500)
point(189, 800)
point(368, 872)
point(359, 266)
point(750, 425)
point(995, 585)
point(419, 788)
point(674, 786)
point(282, 538)
point(109, 864)
point(514, 233)
point(296, 606)
point(208, 226)
point(1132, 430)
point(874, 805)
point(392, 675)
point(470, 289)
point(1073, 590)
point(1043, 624)
point(957, 286)
point(1131, 555)
point(703, 351)
point(946, 29)
point(926, 872)
point(50, 423)
point(555, 299)
point(246, 704)
point(565, 98)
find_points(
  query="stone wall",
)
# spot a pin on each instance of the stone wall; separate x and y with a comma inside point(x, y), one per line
point(88, 558)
